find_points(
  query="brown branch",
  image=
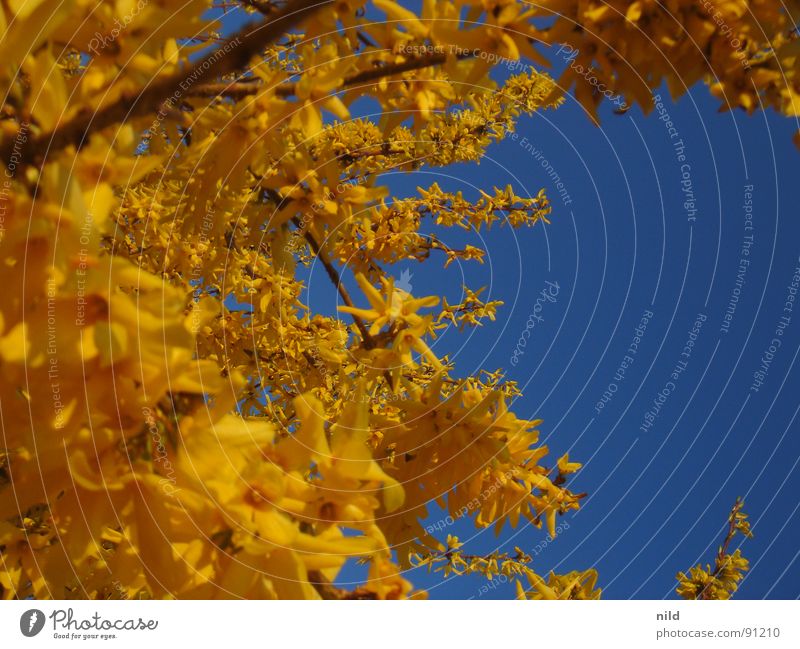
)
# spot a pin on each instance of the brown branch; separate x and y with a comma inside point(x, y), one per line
point(382, 71)
point(369, 343)
point(235, 89)
point(323, 586)
point(234, 55)
point(240, 89)
point(327, 590)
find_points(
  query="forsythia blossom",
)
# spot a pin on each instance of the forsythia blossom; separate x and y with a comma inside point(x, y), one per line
point(177, 422)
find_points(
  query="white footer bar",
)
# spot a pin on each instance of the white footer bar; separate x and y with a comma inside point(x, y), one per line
point(390, 625)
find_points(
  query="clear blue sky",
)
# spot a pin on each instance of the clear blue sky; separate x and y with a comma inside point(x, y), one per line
point(627, 244)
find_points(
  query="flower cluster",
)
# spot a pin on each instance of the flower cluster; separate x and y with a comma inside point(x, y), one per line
point(511, 567)
point(721, 581)
point(745, 51)
point(176, 421)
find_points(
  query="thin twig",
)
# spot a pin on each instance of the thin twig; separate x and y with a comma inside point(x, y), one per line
point(369, 342)
point(722, 555)
point(242, 89)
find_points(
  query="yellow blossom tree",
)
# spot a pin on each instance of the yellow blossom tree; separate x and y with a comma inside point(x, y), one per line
point(745, 50)
point(176, 421)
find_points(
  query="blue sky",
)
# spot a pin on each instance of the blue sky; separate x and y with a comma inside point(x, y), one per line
point(625, 245)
